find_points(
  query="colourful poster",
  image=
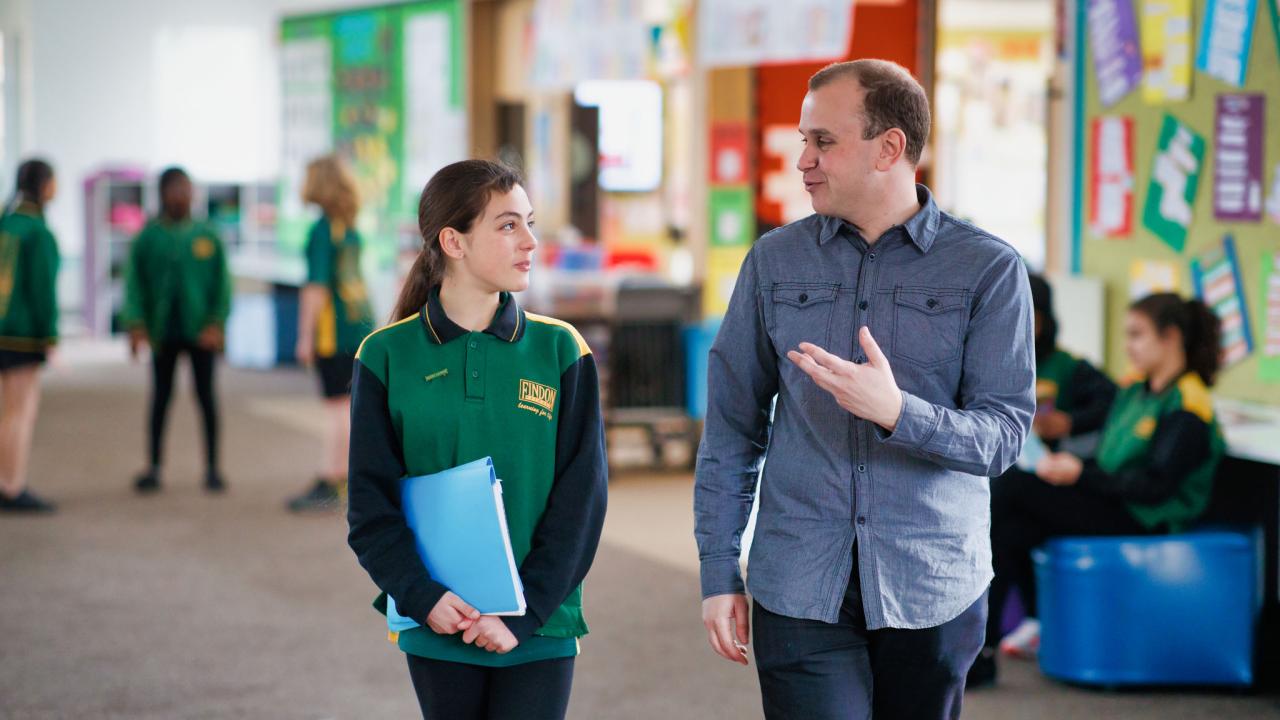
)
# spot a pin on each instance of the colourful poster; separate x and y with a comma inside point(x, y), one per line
point(1217, 281)
point(732, 216)
point(1166, 50)
point(729, 142)
point(1225, 38)
point(1175, 178)
point(1269, 363)
point(1275, 21)
point(723, 264)
point(1113, 38)
point(1237, 158)
point(1147, 277)
point(1111, 202)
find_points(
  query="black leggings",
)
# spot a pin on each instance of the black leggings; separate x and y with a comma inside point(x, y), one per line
point(456, 691)
point(1025, 512)
point(164, 360)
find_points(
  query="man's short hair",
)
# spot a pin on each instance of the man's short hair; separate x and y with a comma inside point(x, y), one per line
point(893, 100)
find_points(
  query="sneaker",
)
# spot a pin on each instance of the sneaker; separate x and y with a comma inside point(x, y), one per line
point(324, 495)
point(147, 482)
point(1024, 642)
point(213, 483)
point(26, 502)
point(983, 672)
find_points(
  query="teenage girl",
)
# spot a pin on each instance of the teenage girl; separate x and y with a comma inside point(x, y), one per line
point(1153, 473)
point(28, 327)
point(333, 318)
point(462, 374)
point(177, 298)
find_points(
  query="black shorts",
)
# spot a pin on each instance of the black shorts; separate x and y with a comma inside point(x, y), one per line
point(335, 375)
point(14, 359)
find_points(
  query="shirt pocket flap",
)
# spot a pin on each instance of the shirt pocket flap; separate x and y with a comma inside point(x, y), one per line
point(930, 301)
point(802, 295)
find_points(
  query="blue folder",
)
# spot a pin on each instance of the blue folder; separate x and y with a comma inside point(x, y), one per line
point(460, 527)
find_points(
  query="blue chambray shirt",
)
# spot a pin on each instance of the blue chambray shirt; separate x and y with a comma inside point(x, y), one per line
point(950, 306)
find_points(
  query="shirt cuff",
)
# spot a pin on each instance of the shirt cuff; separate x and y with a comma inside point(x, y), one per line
point(522, 626)
point(421, 600)
point(917, 423)
point(721, 577)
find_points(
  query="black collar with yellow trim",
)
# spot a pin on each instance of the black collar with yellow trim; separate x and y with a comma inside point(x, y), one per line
point(508, 323)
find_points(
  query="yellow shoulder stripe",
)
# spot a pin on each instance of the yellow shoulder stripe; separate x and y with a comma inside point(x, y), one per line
point(583, 348)
point(387, 327)
point(1195, 396)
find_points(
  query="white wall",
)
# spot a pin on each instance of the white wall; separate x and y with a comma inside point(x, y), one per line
point(147, 83)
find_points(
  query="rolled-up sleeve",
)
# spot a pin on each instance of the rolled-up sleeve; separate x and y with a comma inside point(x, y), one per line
point(742, 379)
point(984, 433)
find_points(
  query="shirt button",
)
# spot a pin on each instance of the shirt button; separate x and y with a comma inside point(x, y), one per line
point(932, 303)
point(804, 297)
point(473, 344)
point(859, 360)
point(862, 305)
point(862, 468)
point(475, 373)
point(862, 520)
point(872, 256)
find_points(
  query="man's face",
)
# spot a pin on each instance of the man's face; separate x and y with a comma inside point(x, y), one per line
point(839, 166)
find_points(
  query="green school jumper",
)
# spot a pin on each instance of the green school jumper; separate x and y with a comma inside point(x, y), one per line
point(429, 395)
point(28, 281)
point(333, 260)
point(178, 265)
point(1140, 428)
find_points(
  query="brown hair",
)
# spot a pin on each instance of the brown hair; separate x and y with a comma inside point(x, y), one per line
point(893, 99)
point(1200, 327)
point(454, 197)
point(331, 185)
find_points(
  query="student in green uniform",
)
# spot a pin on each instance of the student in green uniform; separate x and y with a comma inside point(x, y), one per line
point(1155, 462)
point(1072, 401)
point(177, 297)
point(28, 327)
point(463, 374)
point(333, 318)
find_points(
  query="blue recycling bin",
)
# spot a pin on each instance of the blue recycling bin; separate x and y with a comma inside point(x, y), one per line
point(1161, 610)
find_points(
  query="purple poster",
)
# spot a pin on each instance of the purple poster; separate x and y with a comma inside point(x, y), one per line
point(1117, 58)
point(1237, 158)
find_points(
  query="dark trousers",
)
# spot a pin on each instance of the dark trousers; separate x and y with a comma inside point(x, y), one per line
point(812, 670)
point(1025, 512)
point(164, 360)
point(456, 691)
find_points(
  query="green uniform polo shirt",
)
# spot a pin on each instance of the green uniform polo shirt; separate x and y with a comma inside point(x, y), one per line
point(428, 396)
point(180, 265)
point(28, 279)
point(333, 260)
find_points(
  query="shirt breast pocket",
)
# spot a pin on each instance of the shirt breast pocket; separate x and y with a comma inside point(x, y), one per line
point(802, 313)
point(929, 324)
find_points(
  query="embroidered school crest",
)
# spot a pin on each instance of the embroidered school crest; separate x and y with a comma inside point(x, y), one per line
point(1145, 427)
point(537, 398)
point(202, 248)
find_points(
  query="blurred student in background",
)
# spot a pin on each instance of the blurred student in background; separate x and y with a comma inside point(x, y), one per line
point(28, 326)
point(1153, 473)
point(1072, 401)
point(177, 298)
point(334, 316)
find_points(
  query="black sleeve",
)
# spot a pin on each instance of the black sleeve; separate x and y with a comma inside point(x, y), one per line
point(565, 541)
point(1092, 393)
point(1179, 445)
point(378, 533)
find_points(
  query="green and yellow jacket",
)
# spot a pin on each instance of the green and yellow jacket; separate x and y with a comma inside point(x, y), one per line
point(429, 395)
point(333, 260)
point(28, 281)
point(177, 281)
point(1159, 452)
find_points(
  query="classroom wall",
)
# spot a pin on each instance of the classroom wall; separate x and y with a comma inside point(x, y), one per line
point(1111, 259)
point(147, 83)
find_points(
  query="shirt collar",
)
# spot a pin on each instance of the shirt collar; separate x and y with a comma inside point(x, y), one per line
point(508, 323)
point(920, 228)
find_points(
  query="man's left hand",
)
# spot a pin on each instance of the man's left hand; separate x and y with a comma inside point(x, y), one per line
point(868, 391)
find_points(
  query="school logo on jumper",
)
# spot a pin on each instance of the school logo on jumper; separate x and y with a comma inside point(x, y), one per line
point(1145, 427)
point(537, 398)
point(202, 248)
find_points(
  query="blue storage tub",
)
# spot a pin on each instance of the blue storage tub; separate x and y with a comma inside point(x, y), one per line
point(1161, 610)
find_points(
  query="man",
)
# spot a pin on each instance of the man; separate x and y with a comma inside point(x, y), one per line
point(898, 341)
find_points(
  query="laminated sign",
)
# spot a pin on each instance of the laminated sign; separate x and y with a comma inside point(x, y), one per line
point(1175, 177)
